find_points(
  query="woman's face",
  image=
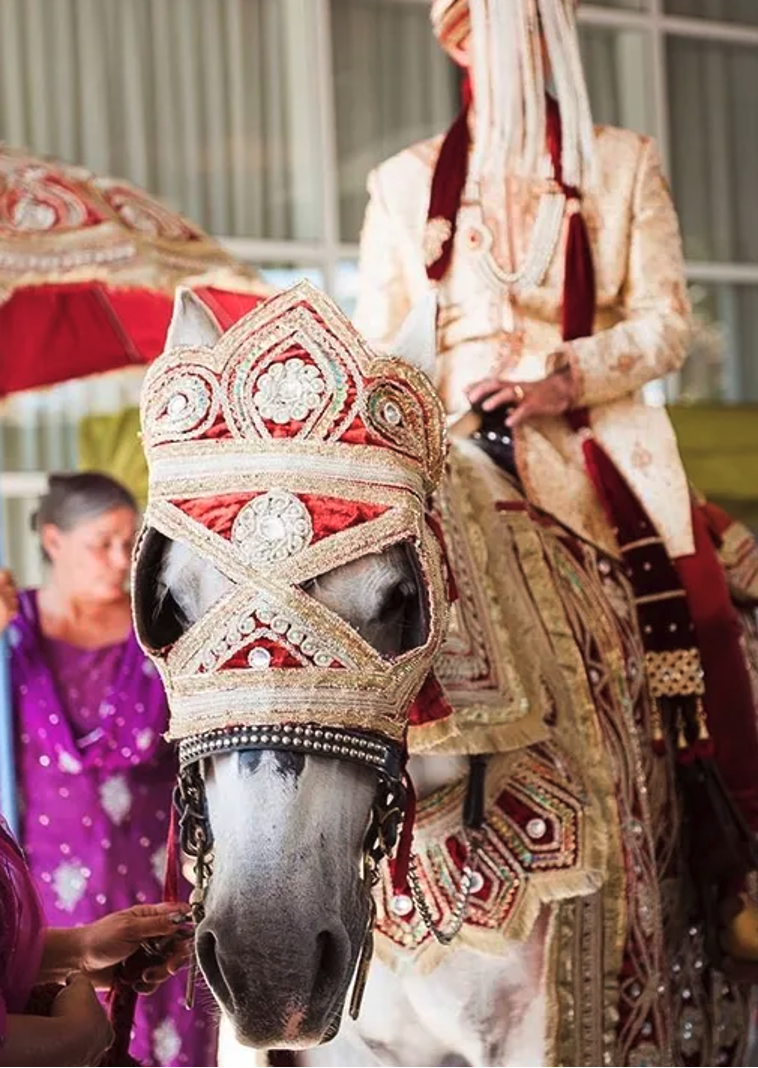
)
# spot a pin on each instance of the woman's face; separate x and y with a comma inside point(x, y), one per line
point(93, 559)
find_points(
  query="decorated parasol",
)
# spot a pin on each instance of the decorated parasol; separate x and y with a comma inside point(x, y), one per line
point(88, 269)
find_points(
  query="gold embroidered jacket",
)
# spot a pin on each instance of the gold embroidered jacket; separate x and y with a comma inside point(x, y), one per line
point(641, 328)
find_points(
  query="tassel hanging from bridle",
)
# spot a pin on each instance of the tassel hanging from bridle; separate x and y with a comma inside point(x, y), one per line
point(452, 586)
point(400, 865)
point(171, 870)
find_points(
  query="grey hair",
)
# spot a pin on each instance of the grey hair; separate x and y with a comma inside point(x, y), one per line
point(72, 499)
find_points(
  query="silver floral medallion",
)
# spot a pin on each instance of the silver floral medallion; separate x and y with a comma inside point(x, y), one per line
point(189, 402)
point(289, 391)
point(272, 528)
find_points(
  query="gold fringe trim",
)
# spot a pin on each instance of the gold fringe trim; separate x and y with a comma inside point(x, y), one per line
point(491, 663)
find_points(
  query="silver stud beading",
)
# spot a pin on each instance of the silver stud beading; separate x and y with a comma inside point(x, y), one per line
point(383, 755)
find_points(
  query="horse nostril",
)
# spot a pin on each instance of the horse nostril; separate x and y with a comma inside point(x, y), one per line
point(208, 958)
point(332, 958)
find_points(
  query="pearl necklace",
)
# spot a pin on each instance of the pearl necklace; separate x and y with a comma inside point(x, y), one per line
point(543, 243)
point(542, 247)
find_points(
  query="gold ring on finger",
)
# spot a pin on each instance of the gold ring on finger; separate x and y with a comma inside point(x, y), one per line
point(518, 394)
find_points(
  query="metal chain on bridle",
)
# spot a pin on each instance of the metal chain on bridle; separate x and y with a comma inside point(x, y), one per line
point(473, 825)
point(387, 813)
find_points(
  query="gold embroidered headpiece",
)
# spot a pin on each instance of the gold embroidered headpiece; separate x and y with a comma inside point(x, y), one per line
point(509, 80)
point(282, 452)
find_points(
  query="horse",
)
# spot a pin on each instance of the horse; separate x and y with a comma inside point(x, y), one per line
point(564, 930)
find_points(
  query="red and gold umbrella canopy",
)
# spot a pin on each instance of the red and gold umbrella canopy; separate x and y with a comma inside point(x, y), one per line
point(88, 268)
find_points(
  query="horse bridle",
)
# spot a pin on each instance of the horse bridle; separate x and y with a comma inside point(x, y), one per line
point(385, 757)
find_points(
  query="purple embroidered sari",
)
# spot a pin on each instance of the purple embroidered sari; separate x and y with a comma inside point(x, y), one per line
point(22, 929)
point(96, 780)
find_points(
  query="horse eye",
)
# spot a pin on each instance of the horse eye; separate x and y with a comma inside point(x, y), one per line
point(398, 598)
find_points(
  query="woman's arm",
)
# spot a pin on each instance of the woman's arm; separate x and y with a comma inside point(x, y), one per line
point(62, 954)
point(8, 599)
point(77, 1032)
point(97, 947)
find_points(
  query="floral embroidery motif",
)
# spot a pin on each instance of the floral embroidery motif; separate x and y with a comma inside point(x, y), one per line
point(68, 763)
point(437, 232)
point(167, 1043)
point(116, 799)
point(70, 884)
point(272, 527)
point(289, 391)
point(641, 457)
point(144, 739)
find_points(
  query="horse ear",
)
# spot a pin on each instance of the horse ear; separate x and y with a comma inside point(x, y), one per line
point(192, 323)
point(416, 340)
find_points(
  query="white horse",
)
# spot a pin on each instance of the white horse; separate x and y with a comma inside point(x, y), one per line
point(285, 913)
point(284, 919)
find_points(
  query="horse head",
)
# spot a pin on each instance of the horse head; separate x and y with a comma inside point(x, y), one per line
point(290, 589)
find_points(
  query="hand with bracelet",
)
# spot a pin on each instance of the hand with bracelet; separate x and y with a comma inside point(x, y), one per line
point(552, 395)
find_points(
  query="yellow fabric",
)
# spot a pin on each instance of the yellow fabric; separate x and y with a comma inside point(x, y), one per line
point(719, 445)
point(641, 331)
point(110, 443)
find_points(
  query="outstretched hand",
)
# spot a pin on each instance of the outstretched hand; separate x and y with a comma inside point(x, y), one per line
point(166, 929)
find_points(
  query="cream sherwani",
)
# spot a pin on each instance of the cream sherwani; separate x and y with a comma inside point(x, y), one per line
point(641, 329)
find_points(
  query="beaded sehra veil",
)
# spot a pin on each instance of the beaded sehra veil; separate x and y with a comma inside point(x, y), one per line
point(510, 41)
point(284, 451)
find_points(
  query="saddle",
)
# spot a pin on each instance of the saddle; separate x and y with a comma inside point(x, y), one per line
point(489, 431)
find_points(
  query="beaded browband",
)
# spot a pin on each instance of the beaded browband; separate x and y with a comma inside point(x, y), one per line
point(386, 757)
point(286, 450)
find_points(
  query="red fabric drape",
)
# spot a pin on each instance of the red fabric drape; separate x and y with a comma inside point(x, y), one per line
point(53, 333)
point(448, 182)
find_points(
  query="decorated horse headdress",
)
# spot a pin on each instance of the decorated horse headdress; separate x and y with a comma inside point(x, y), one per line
point(286, 450)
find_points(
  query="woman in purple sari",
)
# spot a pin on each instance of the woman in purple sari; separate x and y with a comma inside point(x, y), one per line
point(95, 775)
